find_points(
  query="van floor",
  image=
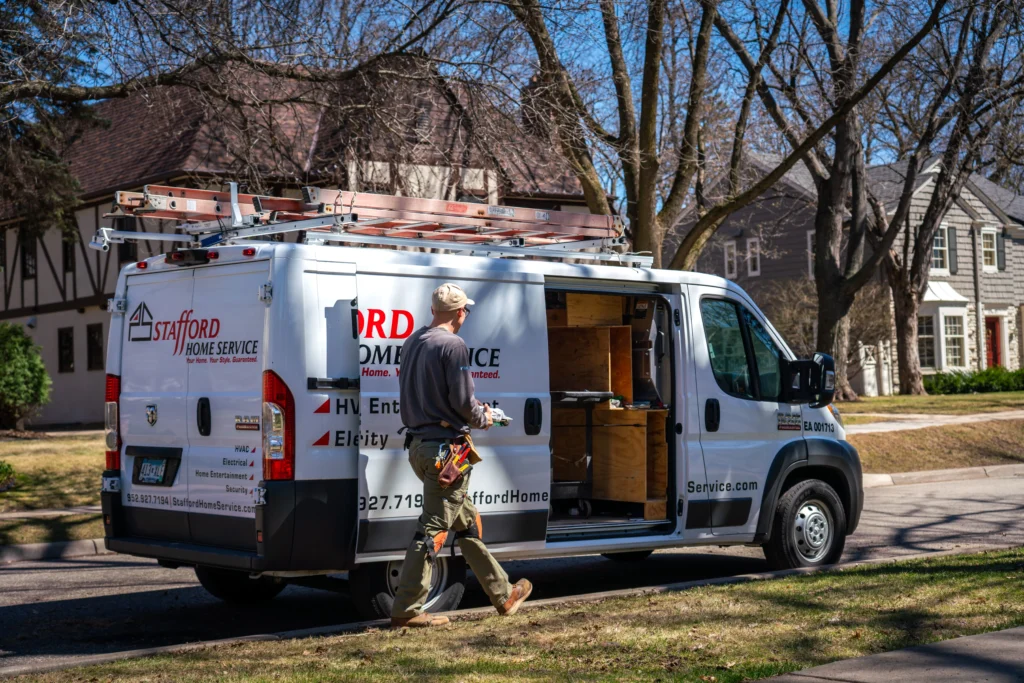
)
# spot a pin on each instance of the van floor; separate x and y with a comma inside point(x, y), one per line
point(594, 519)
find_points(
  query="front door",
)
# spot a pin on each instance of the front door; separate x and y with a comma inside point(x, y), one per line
point(743, 425)
point(993, 336)
point(506, 333)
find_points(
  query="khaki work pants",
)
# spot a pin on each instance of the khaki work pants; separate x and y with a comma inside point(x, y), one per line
point(444, 510)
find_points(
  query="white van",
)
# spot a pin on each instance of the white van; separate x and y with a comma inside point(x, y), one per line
point(254, 431)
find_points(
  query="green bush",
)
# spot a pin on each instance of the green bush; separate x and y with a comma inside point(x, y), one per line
point(24, 383)
point(989, 379)
point(6, 475)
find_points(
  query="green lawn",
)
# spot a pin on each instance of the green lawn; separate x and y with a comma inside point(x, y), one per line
point(53, 472)
point(947, 404)
point(723, 634)
point(1000, 442)
point(50, 529)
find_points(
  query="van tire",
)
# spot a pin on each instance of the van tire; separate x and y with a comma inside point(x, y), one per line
point(373, 587)
point(631, 556)
point(808, 528)
point(236, 587)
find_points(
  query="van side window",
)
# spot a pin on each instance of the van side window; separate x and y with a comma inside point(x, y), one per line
point(726, 349)
point(766, 356)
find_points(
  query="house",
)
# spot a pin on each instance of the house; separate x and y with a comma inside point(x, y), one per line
point(416, 144)
point(976, 281)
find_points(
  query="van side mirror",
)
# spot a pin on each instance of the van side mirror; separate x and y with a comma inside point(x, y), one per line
point(809, 381)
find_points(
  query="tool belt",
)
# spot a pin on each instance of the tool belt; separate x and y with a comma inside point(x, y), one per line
point(455, 459)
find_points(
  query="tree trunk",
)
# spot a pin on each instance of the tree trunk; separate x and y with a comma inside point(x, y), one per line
point(909, 362)
point(834, 339)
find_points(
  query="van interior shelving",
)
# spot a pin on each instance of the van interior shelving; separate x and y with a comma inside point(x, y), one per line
point(611, 400)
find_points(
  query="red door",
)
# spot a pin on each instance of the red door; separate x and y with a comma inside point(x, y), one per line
point(992, 336)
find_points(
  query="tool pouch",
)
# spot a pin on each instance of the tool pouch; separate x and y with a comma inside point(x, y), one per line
point(473, 457)
point(449, 473)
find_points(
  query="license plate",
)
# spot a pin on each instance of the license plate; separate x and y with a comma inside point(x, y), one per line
point(152, 470)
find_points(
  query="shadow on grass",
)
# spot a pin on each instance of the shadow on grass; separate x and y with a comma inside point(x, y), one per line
point(46, 530)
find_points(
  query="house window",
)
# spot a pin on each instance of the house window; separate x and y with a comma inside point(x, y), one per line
point(66, 349)
point(94, 345)
point(940, 250)
point(127, 251)
point(753, 256)
point(730, 260)
point(954, 336)
point(28, 257)
point(988, 250)
point(68, 254)
point(926, 340)
point(810, 253)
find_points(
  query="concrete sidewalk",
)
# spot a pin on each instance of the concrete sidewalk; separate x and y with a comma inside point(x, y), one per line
point(994, 657)
point(896, 422)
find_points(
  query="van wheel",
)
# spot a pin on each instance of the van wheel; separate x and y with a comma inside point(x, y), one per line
point(374, 585)
point(631, 556)
point(236, 587)
point(808, 529)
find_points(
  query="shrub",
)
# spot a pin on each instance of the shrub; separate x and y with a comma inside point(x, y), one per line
point(989, 379)
point(24, 383)
point(6, 475)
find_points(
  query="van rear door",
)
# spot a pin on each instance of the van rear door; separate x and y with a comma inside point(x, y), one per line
point(154, 419)
point(222, 344)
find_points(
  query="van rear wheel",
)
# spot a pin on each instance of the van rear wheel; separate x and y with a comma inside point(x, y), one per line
point(808, 528)
point(236, 587)
point(374, 585)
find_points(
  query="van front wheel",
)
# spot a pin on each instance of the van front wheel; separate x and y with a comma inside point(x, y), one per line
point(374, 585)
point(808, 528)
point(236, 587)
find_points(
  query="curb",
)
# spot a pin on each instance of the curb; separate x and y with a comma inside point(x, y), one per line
point(479, 612)
point(871, 481)
point(52, 551)
point(95, 546)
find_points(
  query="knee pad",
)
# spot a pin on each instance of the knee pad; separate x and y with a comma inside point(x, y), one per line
point(474, 530)
point(432, 545)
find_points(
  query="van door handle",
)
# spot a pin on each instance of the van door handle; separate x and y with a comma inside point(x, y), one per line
point(203, 419)
point(534, 416)
point(712, 415)
point(340, 383)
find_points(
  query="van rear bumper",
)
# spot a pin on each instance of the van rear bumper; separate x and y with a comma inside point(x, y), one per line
point(305, 525)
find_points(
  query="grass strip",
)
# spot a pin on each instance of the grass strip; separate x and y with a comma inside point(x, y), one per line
point(948, 404)
point(53, 472)
point(50, 529)
point(1000, 442)
point(714, 633)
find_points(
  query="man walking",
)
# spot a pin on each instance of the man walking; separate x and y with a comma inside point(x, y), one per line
point(438, 406)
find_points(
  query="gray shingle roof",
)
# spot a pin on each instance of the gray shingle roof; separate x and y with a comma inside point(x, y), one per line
point(1009, 201)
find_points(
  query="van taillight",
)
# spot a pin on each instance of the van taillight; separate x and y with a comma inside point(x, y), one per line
point(278, 428)
point(111, 421)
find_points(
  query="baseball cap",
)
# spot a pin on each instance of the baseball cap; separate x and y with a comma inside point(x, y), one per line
point(449, 297)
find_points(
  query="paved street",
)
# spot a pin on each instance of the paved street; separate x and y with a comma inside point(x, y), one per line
point(59, 609)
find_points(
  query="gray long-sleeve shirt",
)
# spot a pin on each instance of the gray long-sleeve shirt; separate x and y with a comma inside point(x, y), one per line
point(435, 383)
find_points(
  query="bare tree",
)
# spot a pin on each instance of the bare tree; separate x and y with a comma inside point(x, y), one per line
point(819, 35)
point(966, 82)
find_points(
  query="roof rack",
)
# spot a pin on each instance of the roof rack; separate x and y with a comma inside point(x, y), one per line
point(208, 218)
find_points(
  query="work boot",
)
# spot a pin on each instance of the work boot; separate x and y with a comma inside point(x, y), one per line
point(520, 591)
point(422, 620)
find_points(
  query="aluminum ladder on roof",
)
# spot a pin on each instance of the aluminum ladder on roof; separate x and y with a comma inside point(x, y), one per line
point(207, 218)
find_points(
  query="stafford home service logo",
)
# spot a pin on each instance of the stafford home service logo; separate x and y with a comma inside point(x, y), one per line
point(141, 327)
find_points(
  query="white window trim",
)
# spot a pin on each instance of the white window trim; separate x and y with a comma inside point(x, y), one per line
point(725, 251)
point(934, 338)
point(940, 272)
point(756, 244)
point(951, 312)
point(995, 250)
point(810, 253)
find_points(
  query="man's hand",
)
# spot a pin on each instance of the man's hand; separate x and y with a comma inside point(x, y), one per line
point(489, 416)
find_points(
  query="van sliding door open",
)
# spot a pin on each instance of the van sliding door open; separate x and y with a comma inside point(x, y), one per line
point(506, 336)
point(613, 446)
